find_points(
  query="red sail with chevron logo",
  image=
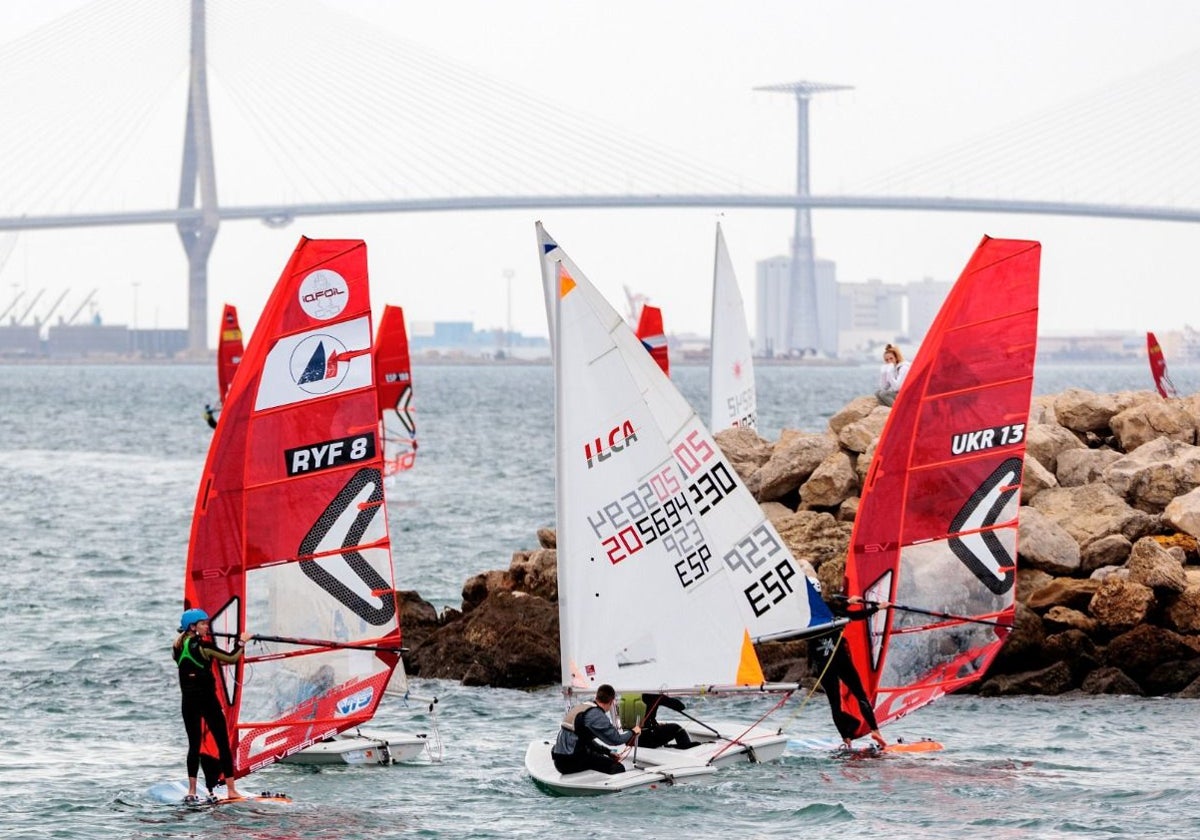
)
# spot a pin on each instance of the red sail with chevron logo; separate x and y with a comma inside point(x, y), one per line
point(936, 530)
point(289, 538)
point(393, 374)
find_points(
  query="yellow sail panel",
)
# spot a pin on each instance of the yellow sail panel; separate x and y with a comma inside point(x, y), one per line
point(749, 670)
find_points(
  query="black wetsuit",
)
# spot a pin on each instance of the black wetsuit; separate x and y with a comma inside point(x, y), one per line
point(198, 687)
point(841, 672)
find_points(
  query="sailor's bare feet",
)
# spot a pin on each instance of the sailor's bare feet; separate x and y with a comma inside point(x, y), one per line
point(878, 739)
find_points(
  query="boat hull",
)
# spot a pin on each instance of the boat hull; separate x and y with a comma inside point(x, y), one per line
point(362, 748)
point(659, 768)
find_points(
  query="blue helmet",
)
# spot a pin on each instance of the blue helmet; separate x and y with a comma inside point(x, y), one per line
point(190, 617)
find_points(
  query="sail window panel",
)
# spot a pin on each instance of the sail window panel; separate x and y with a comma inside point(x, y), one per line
point(333, 598)
point(310, 687)
point(933, 577)
point(984, 354)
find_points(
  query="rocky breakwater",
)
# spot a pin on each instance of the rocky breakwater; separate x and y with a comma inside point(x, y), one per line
point(1108, 575)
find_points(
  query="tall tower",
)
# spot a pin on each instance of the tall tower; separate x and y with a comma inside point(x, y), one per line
point(804, 330)
point(198, 171)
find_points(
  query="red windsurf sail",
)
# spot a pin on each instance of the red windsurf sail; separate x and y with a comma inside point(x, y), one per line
point(936, 530)
point(289, 537)
point(1158, 368)
point(393, 377)
point(229, 350)
point(650, 332)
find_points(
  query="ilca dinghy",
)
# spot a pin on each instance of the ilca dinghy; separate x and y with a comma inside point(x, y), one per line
point(668, 570)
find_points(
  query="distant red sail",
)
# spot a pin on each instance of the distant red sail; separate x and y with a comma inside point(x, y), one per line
point(1158, 368)
point(650, 332)
point(393, 378)
point(289, 537)
point(229, 350)
point(936, 529)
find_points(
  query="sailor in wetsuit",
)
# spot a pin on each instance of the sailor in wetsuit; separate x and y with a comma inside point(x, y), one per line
point(655, 734)
point(194, 652)
point(209, 416)
point(576, 748)
point(841, 672)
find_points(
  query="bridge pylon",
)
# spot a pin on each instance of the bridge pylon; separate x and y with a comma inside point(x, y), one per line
point(808, 327)
point(198, 172)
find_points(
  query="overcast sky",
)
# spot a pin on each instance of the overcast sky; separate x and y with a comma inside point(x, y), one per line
point(928, 75)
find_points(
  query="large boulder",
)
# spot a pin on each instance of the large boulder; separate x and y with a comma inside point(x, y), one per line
point(1152, 565)
point(1110, 680)
point(1147, 421)
point(1183, 512)
point(815, 536)
point(1121, 604)
point(1084, 411)
point(1045, 545)
point(745, 450)
point(1053, 679)
point(1154, 474)
point(510, 640)
point(1141, 649)
point(793, 459)
point(1093, 511)
point(831, 483)
point(418, 618)
point(1077, 467)
point(852, 412)
point(1112, 550)
point(1035, 478)
point(859, 435)
point(1046, 441)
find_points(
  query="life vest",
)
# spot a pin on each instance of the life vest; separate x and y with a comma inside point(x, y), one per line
point(573, 713)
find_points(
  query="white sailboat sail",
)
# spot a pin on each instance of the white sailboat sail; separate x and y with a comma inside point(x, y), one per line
point(668, 571)
point(731, 368)
point(668, 567)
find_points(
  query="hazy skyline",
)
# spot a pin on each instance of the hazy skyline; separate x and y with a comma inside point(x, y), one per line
point(927, 76)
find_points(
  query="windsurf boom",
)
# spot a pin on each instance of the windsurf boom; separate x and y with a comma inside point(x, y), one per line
point(937, 522)
point(289, 537)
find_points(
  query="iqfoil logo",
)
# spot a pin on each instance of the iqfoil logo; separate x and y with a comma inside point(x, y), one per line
point(324, 294)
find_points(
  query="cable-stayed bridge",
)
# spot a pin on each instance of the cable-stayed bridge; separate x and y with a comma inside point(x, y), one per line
point(397, 129)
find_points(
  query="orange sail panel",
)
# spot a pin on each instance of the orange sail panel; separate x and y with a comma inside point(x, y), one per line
point(936, 529)
point(229, 350)
point(393, 376)
point(289, 538)
point(1158, 368)
point(650, 332)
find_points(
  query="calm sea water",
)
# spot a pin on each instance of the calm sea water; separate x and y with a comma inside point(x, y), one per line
point(99, 464)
